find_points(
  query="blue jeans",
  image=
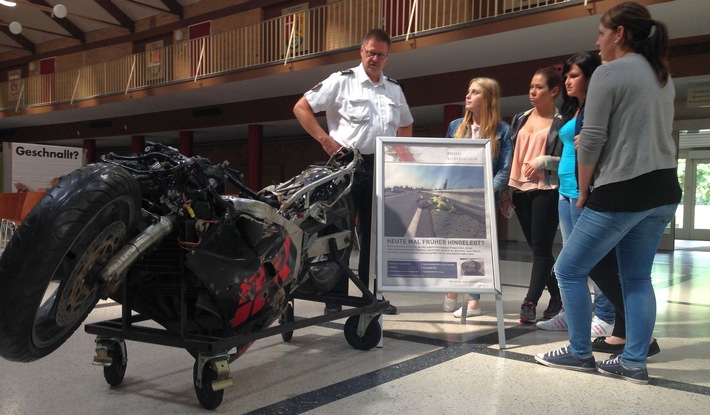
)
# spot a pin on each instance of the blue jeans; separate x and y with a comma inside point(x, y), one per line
point(569, 214)
point(636, 236)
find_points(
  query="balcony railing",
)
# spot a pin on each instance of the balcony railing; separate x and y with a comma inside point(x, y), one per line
point(324, 29)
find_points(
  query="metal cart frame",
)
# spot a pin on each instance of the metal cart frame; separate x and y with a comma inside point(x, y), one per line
point(212, 354)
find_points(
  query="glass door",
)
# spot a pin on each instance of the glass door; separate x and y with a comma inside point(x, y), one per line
point(693, 215)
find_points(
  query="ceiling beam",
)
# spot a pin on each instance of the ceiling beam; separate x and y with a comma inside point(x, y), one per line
point(174, 7)
point(151, 7)
point(20, 39)
point(117, 14)
point(64, 23)
point(37, 29)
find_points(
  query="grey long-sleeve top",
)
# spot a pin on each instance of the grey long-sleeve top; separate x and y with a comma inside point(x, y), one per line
point(628, 121)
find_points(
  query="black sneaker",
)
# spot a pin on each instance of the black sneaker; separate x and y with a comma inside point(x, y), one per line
point(564, 359)
point(332, 308)
point(390, 309)
point(554, 307)
point(527, 312)
point(614, 367)
point(653, 349)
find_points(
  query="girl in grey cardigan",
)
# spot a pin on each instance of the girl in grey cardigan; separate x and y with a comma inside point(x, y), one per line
point(626, 145)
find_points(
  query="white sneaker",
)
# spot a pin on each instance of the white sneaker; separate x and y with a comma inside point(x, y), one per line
point(601, 327)
point(449, 304)
point(470, 312)
point(556, 323)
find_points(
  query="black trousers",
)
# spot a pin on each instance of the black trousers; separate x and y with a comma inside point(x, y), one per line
point(537, 213)
point(362, 195)
point(606, 275)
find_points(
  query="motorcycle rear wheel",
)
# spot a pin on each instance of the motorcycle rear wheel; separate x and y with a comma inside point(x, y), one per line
point(48, 272)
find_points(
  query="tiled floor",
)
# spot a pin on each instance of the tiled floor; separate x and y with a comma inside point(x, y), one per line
point(430, 363)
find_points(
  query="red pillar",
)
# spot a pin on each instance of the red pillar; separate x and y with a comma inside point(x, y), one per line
point(137, 143)
point(254, 150)
point(451, 112)
point(90, 150)
point(185, 146)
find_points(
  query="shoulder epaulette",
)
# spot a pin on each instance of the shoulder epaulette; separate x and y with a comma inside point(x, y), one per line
point(392, 80)
point(347, 72)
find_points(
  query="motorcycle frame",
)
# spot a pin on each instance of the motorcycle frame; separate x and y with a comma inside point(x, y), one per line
point(117, 267)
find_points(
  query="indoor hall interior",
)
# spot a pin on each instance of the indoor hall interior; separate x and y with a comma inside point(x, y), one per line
point(429, 362)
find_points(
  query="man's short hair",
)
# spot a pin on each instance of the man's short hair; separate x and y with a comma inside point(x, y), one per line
point(378, 35)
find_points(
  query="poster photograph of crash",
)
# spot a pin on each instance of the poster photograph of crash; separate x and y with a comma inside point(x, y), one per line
point(434, 201)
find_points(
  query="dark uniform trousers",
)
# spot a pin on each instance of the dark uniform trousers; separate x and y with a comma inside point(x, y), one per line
point(362, 195)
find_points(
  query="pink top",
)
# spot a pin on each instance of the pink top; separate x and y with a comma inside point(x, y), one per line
point(527, 147)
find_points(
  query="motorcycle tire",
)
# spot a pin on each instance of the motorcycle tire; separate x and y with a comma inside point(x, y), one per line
point(321, 278)
point(48, 283)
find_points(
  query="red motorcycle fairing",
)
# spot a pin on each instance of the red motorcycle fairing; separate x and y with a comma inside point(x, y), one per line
point(257, 291)
point(244, 273)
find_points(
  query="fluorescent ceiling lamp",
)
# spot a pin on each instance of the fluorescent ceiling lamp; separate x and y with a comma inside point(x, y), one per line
point(8, 3)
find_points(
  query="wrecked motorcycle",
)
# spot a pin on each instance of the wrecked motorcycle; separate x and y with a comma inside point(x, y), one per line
point(154, 232)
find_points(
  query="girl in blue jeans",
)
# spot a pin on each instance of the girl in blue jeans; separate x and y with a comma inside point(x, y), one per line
point(577, 71)
point(482, 120)
point(626, 145)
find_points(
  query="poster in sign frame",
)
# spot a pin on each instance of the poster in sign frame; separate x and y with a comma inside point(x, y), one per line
point(436, 229)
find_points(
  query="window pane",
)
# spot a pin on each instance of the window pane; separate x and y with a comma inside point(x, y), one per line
point(681, 180)
point(702, 196)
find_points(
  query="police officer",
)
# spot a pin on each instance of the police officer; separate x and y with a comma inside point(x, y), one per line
point(360, 104)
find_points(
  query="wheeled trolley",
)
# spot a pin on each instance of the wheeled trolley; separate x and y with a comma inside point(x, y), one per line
point(213, 355)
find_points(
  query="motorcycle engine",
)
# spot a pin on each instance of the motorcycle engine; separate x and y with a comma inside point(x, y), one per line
point(323, 192)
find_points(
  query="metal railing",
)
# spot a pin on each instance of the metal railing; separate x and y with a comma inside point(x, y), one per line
point(329, 28)
point(7, 229)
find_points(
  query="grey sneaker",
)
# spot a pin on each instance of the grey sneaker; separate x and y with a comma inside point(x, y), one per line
point(527, 312)
point(564, 359)
point(614, 367)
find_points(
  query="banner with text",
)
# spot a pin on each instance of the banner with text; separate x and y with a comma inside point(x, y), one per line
point(33, 167)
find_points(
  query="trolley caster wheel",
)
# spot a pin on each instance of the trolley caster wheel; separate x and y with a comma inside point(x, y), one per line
point(370, 338)
point(287, 317)
point(208, 397)
point(113, 356)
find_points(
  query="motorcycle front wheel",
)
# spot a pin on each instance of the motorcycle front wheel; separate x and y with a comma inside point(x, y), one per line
point(48, 272)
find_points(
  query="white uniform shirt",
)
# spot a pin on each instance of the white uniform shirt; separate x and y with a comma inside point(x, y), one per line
point(358, 110)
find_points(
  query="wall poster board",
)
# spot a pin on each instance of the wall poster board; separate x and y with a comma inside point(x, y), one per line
point(14, 79)
point(295, 29)
point(153, 60)
point(436, 216)
point(32, 167)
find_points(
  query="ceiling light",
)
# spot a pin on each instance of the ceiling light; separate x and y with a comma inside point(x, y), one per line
point(59, 11)
point(15, 27)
